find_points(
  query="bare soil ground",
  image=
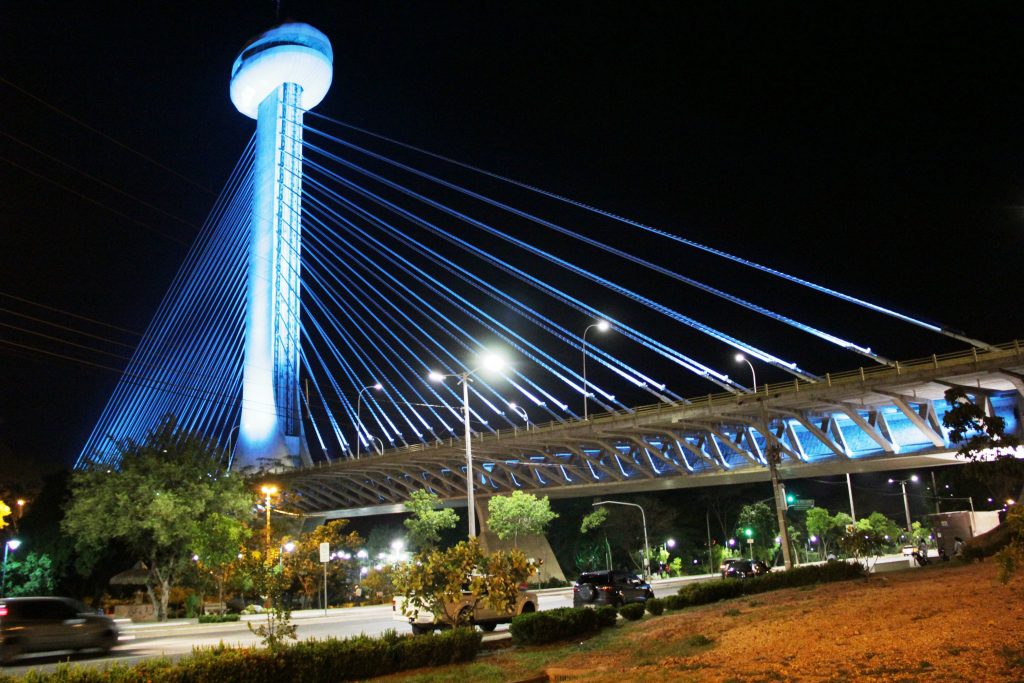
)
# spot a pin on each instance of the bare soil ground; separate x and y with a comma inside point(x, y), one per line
point(949, 622)
point(943, 623)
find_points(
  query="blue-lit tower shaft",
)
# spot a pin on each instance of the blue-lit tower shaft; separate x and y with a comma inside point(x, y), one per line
point(279, 75)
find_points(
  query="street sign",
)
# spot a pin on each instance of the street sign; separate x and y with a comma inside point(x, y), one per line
point(325, 552)
point(802, 504)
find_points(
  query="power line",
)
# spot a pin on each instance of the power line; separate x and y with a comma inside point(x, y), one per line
point(89, 199)
point(106, 137)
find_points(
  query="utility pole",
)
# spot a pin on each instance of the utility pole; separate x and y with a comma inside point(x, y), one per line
point(773, 455)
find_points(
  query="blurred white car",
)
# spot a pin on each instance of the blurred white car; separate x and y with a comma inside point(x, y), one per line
point(483, 616)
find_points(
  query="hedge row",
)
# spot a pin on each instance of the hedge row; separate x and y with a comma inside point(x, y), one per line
point(536, 628)
point(218, 618)
point(713, 591)
point(355, 658)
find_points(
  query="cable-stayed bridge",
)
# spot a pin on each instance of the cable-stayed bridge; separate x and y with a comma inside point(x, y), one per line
point(339, 268)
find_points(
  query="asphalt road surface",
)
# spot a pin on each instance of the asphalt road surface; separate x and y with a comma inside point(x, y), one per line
point(178, 637)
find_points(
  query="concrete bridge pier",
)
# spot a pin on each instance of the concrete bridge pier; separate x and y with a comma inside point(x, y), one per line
point(534, 546)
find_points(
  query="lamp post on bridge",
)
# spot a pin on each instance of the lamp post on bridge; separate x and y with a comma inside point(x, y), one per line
point(521, 412)
point(491, 362)
point(772, 453)
point(602, 326)
point(377, 386)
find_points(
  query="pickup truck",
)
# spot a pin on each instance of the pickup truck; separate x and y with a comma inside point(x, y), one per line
point(484, 616)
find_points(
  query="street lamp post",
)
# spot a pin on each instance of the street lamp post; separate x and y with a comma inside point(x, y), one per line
point(359, 398)
point(643, 517)
point(267, 490)
point(521, 412)
point(906, 503)
point(11, 544)
point(740, 358)
point(772, 454)
point(490, 362)
point(602, 326)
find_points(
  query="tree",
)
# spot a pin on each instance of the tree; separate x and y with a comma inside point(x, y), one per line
point(217, 545)
point(170, 489)
point(305, 560)
point(520, 513)
point(272, 582)
point(881, 526)
point(31, 576)
point(994, 457)
point(760, 519)
point(827, 528)
point(441, 580)
point(4, 512)
point(428, 519)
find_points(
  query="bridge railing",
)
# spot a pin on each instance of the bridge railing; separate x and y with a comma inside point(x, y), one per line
point(721, 399)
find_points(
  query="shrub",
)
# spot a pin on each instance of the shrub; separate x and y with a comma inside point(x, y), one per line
point(713, 591)
point(606, 616)
point(536, 628)
point(218, 618)
point(632, 611)
point(655, 606)
point(326, 661)
point(193, 605)
point(674, 602)
point(553, 583)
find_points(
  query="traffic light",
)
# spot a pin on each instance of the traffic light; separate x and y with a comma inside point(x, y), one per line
point(748, 532)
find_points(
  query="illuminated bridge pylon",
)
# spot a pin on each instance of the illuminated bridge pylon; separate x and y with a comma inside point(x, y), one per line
point(277, 76)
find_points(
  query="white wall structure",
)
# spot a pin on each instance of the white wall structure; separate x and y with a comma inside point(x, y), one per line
point(277, 76)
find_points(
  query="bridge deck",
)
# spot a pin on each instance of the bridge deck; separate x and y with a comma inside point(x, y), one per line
point(863, 420)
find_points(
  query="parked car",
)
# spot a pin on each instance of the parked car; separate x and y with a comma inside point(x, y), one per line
point(745, 569)
point(483, 615)
point(609, 588)
point(49, 624)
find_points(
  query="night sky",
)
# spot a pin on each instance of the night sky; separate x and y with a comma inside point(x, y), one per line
point(877, 152)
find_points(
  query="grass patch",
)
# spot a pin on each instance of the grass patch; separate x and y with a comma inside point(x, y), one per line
point(754, 603)
point(699, 641)
point(1013, 656)
point(732, 612)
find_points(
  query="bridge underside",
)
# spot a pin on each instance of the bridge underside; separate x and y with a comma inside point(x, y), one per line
point(858, 422)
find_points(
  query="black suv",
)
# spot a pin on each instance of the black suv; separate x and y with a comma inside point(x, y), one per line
point(609, 588)
point(745, 569)
point(49, 624)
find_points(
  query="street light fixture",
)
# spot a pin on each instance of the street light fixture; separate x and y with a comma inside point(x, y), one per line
point(602, 326)
point(491, 362)
point(643, 517)
point(906, 503)
point(740, 358)
point(359, 398)
point(12, 544)
point(521, 412)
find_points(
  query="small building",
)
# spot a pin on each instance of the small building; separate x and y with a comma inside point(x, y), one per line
point(964, 523)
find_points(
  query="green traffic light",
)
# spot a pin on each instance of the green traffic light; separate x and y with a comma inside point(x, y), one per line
point(790, 498)
point(749, 532)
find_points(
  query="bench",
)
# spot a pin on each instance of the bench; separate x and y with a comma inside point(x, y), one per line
point(214, 608)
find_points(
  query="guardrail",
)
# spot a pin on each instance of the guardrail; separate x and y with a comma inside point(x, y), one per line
point(1013, 349)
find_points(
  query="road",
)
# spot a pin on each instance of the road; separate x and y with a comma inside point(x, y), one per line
point(178, 637)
